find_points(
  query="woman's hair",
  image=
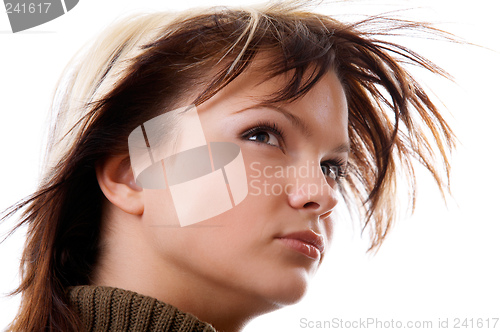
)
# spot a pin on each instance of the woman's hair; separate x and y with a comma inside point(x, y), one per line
point(147, 64)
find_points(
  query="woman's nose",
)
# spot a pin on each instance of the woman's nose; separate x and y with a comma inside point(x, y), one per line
point(309, 191)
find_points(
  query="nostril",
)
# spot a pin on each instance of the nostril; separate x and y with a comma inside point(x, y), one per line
point(311, 205)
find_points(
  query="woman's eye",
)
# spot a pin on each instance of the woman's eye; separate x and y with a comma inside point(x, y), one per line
point(328, 171)
point(265, 137)
point(333, 171)
point(266, 132)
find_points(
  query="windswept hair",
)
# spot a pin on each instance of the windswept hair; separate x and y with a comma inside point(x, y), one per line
point(147, 64)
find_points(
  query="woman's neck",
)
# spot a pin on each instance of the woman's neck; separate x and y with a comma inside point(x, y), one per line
point(130, 264)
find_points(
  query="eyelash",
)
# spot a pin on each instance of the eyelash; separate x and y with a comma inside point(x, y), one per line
point(272, 127)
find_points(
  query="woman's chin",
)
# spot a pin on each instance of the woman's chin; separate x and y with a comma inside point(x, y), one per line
point(288, 290)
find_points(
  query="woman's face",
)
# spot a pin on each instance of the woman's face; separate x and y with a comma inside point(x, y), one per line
point(267, 247)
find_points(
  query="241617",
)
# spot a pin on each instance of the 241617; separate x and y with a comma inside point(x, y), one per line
point(26, 8)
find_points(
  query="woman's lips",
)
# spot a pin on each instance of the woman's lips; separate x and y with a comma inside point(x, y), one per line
point(307, 242)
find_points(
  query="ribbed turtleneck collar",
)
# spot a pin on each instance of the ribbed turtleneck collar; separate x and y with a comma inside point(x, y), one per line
point(103, 308)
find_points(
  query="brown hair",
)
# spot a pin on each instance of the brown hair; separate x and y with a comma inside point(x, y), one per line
point(143, 66)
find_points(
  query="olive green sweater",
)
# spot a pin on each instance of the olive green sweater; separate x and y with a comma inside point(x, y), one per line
point(113, 309)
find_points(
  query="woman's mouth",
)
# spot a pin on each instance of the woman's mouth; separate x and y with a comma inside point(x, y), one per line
point(306, 242)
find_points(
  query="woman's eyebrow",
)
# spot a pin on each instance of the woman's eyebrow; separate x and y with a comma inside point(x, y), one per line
point(343, 148)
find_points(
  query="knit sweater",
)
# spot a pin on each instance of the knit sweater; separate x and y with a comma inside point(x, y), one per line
point(103, 308)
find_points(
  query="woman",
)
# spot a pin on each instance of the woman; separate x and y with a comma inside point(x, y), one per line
point(283, 112)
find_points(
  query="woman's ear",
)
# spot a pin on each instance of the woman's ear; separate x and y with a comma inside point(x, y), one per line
point(116, 180)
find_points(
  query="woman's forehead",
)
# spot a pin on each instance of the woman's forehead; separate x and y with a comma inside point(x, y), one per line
point(257, 83)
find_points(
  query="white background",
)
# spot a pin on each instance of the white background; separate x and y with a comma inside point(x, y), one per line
point(439, 263)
